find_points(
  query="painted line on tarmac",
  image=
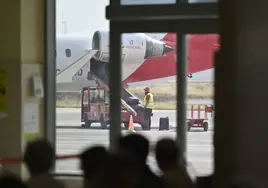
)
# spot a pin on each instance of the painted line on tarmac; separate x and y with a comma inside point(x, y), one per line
point(98, 128)
point(138, 129)
point(67, 110)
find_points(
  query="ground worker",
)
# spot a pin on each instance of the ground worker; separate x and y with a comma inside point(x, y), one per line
point(148, 104)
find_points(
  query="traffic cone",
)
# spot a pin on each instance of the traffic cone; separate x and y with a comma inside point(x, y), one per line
point(131, 124)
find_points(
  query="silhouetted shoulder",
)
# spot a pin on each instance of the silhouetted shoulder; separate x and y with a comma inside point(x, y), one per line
point(45, 182)
point(149, 179)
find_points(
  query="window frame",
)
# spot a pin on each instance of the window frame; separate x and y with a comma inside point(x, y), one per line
point(50, 76)
point(181, 18)
point(199, 18)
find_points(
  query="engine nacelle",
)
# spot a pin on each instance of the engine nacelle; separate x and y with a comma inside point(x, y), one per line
point(135, 47)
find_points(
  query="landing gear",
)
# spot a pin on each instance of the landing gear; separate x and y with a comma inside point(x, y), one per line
point(189, 124)
point(205, 125)
point(190, 76)
point(104, 124)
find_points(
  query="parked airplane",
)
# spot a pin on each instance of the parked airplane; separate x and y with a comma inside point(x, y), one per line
point(144, 56)
point(201, 50)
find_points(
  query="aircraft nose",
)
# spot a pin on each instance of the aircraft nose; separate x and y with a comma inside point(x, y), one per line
point(167, 49)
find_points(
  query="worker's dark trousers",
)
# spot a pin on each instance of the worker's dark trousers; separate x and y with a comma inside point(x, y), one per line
point(147, 114)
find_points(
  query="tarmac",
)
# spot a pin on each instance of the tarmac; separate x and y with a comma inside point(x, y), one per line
point(72, 139)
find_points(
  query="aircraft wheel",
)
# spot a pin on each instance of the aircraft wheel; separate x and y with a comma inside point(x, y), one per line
point(126, 125)
point(205, 125)
point(87, 122)
point(189, 126)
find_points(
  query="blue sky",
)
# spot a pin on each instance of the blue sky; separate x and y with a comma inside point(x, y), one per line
point(84, 17)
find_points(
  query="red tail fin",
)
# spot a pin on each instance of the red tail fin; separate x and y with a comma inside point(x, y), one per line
point(171, 37)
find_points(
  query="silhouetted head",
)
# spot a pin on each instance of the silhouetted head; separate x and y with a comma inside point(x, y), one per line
point(243, 184)
point(39, 157)
point(2, 90)
point(167, 153)
point(120, 170)
point(135, 144)
point(204, 181)
point(10, 181)
point(92, 160)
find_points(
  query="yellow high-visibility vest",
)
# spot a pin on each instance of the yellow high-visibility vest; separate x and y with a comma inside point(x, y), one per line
point(151, 101)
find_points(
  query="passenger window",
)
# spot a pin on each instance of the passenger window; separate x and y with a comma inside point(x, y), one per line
point(97, 95)
point(68, 53)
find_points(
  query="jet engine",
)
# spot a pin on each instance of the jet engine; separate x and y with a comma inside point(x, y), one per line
point(134, 47)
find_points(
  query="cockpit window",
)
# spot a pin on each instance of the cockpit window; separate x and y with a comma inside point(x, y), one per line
point(97, 95)
point(68, 53)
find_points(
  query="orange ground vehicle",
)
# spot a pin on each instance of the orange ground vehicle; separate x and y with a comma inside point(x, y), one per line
point(198, 118)
point(95, 109)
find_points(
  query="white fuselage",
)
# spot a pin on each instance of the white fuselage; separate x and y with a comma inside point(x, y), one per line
point(136, 48)
point(70, 49)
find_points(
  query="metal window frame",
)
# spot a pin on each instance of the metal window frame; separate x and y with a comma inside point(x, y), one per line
point(183, 10)
point(198, 18)
point(50, 76)
point(182, 19)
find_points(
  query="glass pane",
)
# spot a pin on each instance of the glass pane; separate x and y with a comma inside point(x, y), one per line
point(200, 114)
point(149, 74)
point(147, 2)
point(77, 21)
point(157, 71)
point(148, 60)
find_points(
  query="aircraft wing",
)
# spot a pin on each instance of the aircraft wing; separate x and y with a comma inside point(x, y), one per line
point(66, 75)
